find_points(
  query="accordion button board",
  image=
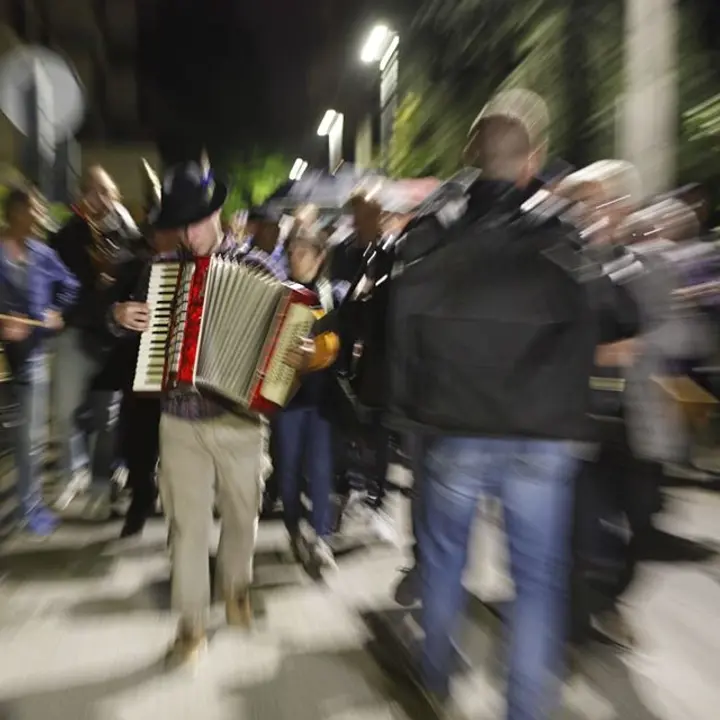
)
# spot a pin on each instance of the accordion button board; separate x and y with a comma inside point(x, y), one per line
point(280, 377)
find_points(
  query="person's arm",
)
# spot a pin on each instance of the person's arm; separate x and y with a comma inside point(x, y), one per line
point(67, 287)
point(314, 354)
point(126, 316)
point(324, 352)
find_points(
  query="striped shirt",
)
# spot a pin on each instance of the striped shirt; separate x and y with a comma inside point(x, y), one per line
point(188, 403)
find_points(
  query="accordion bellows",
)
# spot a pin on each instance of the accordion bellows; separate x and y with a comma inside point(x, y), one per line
point(225, 328)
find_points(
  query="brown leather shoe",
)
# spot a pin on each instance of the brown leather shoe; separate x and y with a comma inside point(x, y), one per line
point(188, 649)
point(238, 611)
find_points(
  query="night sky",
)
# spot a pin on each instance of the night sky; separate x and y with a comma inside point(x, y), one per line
point(254, 75)
point(244, 76)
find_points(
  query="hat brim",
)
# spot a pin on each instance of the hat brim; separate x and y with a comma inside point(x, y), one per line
point(173, 221)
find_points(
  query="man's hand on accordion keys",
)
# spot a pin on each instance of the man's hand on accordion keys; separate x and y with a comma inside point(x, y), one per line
point(132, 315)
point(300, 357)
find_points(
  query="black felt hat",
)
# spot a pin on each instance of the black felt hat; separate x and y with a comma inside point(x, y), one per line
point(190, 194)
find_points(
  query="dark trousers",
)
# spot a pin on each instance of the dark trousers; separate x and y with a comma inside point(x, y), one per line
point(617, 486)
point(363, 455)
point(304, 450)
point(379, 438)
point(140, 421)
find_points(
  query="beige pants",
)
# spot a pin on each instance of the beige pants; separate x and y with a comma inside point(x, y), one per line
point(198, 458)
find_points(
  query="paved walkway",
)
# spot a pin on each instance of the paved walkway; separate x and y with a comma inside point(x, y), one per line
point(83, 626)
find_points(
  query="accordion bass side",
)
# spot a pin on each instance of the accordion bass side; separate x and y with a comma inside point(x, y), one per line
point(225, 328)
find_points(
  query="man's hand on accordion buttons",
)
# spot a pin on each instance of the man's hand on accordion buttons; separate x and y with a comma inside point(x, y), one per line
point(132, 316)
point(299, 357)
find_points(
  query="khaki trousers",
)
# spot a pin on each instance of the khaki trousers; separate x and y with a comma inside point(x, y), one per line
point(198, 458)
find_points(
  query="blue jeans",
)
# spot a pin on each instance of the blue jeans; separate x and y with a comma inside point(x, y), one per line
point(31, 395)
point(303, 445)
point(85, 420)
point(534, 481)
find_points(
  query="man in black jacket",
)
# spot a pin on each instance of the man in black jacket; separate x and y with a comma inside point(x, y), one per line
point(85, 419)
point(492, 347)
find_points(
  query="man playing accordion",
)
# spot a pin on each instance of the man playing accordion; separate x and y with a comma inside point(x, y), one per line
point(203, 445)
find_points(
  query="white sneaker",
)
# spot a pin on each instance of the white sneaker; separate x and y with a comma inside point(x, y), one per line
point(384, 528)
point(357, 517)
point(79, 484)
point(323, 556)
point(120, 477)
point(98, 506)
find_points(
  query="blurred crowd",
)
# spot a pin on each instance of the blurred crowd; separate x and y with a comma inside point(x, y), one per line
point(637, 375)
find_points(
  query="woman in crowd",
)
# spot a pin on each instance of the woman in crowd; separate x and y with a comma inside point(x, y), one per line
point(35, 289)
point(303, 431)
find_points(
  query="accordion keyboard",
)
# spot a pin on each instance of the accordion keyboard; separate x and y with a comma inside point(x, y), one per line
point(153, 342)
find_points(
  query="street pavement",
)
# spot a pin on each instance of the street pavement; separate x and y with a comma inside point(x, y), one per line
point(84, 623)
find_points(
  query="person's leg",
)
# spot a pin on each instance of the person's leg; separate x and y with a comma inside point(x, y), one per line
point(320, 471)
point(537, 494)
point(380, 445)
point(407, 591)
point(104, 439)
point(289, 430)
point(272, 486)
point(187, 481)
point(72, 373)
point(141, 448)
point(586, 538)
point(416, 453)
point(32, 398)
point(239, 447)
point(454, 472)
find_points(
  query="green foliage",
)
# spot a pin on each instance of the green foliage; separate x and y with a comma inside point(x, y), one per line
point(253, 181)
point(459, 52)
point(428, 136)
point(59, 212)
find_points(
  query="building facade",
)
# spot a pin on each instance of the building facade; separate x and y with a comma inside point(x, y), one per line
point(100, 39)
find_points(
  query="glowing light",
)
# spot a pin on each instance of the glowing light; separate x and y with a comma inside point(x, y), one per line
point(327, 122)
point(298, 169)
point(375, 44)
point(389, 52)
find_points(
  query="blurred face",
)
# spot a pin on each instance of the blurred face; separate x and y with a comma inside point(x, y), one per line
point(164, 241)
point(100, 194)
point(305, 261)
point(267, 235)
point(366, 217)
point(201, 238)
point(24, 218)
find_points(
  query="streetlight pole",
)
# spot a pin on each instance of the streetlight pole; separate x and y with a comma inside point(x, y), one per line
point(383, 47)
point(331, 127)
point(648, 122)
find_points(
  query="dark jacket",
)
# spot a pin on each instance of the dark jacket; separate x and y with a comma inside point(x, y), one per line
point(488, 334)
point(346, 260)
point(73, 243)
point(118, 370)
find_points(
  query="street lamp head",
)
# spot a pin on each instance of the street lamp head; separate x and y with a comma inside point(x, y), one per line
point(327, 122)
point(375, 44)
point(298, 169)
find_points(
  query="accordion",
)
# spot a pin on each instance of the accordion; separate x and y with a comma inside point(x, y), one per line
point(225, 328)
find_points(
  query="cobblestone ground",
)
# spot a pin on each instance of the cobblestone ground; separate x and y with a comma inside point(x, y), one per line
point(84, 625)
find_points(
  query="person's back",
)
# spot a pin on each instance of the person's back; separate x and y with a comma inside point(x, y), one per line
point(490, 335)
point(492, 338)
